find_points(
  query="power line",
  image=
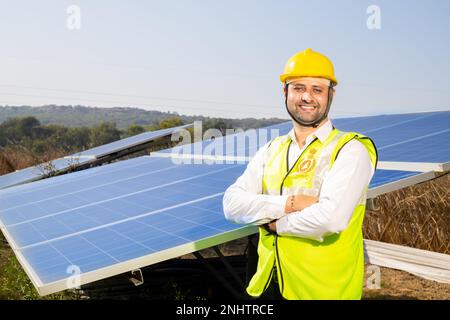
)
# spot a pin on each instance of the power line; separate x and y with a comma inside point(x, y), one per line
point(139, 96)
point(118, 103)
point(251, 106)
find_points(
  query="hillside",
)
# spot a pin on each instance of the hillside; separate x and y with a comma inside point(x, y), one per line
point(77, 116)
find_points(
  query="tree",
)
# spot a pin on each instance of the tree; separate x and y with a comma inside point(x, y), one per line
point(134, 129)
point(104, 133)
point(170, 122)
point(13, 131)
point(27, 124)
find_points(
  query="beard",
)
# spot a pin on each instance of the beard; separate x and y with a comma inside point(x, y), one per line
point(305, 117)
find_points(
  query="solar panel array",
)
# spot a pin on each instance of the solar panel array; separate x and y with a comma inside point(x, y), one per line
point(82, 158)
point(397, 137)
point(111, 219)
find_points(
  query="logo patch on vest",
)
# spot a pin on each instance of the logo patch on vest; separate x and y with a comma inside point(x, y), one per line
point(309, 163)
point(306, 165)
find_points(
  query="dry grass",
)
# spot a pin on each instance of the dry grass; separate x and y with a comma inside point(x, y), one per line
point(17, 157)
point(416, 216)
point(6, 165)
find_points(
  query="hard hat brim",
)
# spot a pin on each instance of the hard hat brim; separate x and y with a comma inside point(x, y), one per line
point(285, 77)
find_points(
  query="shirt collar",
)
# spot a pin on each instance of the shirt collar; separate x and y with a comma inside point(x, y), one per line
point(321, 133)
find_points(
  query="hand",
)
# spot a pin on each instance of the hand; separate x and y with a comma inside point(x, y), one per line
point(273, 226)
point(299, 202)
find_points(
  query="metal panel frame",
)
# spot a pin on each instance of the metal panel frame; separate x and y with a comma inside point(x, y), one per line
point(129, 146)
point(399, 184)
point(414, 166)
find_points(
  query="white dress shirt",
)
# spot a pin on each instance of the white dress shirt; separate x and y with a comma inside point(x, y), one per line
point(341, 190)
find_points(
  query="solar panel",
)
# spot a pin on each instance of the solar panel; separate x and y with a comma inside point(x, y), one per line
point(383, 177)
point(112, 219)
point(129, 142)
point(397, 138)
point(83, 158)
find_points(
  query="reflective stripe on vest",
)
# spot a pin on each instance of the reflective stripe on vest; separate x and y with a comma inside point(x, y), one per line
point(308, 269)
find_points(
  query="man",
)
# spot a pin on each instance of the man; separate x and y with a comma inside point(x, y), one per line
point(307, 192)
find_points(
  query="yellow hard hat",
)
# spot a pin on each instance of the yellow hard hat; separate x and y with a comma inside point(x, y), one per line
point(309, 63)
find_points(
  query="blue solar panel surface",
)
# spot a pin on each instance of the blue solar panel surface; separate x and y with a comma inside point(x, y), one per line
point(107, 215)
point(382, 177)
point(422, 137)
point(61, 164)
point(418, 137)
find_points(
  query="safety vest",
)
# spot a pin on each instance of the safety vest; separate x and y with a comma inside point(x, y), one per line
point(309, 269)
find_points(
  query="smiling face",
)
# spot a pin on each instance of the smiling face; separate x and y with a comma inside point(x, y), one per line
point(307, 99)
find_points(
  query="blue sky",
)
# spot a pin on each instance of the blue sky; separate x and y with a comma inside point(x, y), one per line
point(222, 58)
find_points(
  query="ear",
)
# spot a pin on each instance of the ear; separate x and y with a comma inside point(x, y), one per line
point(284, 90)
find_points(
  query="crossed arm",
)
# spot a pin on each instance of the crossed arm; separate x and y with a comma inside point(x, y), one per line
point(311, 217)
point(295, 203)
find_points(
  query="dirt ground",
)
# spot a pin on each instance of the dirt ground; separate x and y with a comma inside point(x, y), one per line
point(396, 284)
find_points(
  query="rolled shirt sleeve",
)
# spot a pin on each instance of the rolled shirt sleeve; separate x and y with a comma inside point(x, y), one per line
point(243, 201)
